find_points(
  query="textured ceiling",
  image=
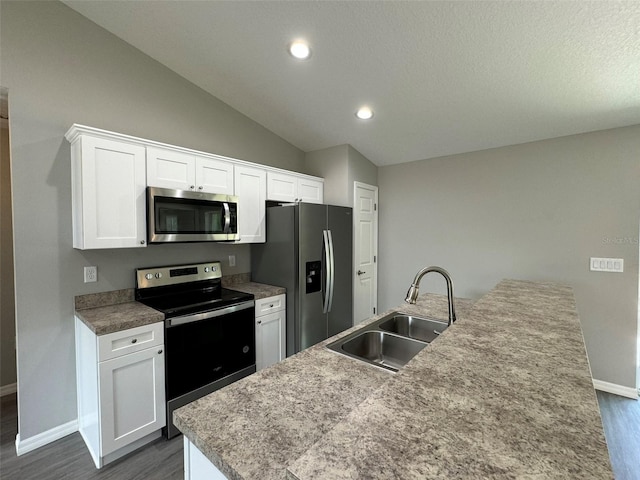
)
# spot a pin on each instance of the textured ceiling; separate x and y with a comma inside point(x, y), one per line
point(442, 77)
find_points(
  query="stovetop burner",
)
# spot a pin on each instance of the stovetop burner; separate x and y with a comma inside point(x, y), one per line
point(185, 289)
point(195, 301)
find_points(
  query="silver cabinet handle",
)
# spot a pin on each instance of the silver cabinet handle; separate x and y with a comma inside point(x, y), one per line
point(192, 187)
point(259, 322)
point(200, 187)
point(141, 242)
point(159, 351)
point(360, 272)
point(134, 340)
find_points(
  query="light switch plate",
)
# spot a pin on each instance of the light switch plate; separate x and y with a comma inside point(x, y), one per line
point(615, 265)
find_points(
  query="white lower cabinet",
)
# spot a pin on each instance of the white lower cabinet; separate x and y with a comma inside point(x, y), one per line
point(197, 466)
point(271, 327)
point(121, 400)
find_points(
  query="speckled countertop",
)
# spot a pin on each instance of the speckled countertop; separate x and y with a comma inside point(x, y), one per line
point(506, 392)
point(109, 312)
point(258, 290)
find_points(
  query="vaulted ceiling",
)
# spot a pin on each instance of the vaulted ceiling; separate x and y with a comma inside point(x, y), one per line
point(442, 77)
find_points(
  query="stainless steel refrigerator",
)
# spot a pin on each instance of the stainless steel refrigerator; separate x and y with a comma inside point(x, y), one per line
point(309, 252)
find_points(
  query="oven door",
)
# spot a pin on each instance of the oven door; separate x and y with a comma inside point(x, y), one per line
point(203, 348)
point(184, 216)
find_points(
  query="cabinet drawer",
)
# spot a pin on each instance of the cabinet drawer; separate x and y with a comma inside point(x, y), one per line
point(270, 304)
point(131, 340)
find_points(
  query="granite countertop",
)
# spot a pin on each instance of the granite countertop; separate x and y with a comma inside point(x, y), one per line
point(506, 392)
point(258, 290)
point(110, 312)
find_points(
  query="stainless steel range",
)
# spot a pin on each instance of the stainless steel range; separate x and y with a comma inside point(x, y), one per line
point(209, 330)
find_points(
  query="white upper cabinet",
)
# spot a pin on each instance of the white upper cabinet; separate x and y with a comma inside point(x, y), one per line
point(214, 176)
point(108, 192)
point(283, 187)
point(110, 173)
point(183, 171)
point(170, 169)
point(251, 189)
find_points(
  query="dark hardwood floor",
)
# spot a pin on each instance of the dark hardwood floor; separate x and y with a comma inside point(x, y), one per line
point(68, 457)
point(621, 420)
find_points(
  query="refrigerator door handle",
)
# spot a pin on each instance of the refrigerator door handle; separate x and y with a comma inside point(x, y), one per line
point(332, 270)
point(327, 269)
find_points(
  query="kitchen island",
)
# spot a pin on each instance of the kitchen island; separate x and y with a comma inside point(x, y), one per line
point(505, 392)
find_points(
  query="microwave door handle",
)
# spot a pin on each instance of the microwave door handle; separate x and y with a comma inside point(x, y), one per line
point(227, 217)
point(327, 277)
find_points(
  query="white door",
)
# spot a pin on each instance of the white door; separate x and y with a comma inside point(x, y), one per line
point(365, 242)
point(251, 189)
point(170, 169)
point(270, 339)
point(214, 176)
point(132, 401)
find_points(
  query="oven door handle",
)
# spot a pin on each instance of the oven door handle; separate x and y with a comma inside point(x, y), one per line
point(227, 218)
point(196, 317)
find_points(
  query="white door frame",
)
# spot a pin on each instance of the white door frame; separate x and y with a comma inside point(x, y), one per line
point(356, 219)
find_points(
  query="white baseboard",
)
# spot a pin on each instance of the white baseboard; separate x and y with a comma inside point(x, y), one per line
point(29, 444)
point(629, 392)
point(8, 389)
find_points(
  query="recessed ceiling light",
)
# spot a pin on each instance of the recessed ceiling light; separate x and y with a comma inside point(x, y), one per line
point(364, 113)
point(300, 50)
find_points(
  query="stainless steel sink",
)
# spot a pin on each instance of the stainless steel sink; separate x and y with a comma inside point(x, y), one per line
point(383, 349)
point(391, 341)
point(425, 329)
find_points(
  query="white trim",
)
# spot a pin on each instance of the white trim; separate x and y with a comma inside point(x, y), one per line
point(44, 438)
point(623, 391)
point(8, 389)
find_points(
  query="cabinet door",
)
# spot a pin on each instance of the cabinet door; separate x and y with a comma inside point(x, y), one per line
point(310, 191)
point(132, 400)
point(170, 169)
point(282, 187)
point(108, 194)
point(270, 339)
point(250, 187)
point(214, 176)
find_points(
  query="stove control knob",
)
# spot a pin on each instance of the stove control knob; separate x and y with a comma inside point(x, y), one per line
point(206, 269)
point(158, 275)
point(214, 269)
point(148, 276)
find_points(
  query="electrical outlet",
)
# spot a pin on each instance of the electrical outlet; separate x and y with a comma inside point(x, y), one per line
point(615, 265)
point(232, 260)
point(90, 274)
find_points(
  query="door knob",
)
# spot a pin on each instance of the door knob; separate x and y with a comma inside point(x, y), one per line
point(360, 272)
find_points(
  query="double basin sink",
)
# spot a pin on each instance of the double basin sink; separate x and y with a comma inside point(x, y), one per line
point(391, 341)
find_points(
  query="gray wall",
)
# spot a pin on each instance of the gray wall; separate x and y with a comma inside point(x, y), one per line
point(62, 69)
point(332, 164)
point(340, 166)
point(536, 211)
point(360, 170)
point(7, 304)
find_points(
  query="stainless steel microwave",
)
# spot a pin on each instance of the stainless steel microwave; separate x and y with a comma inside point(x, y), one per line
point(185, 216)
